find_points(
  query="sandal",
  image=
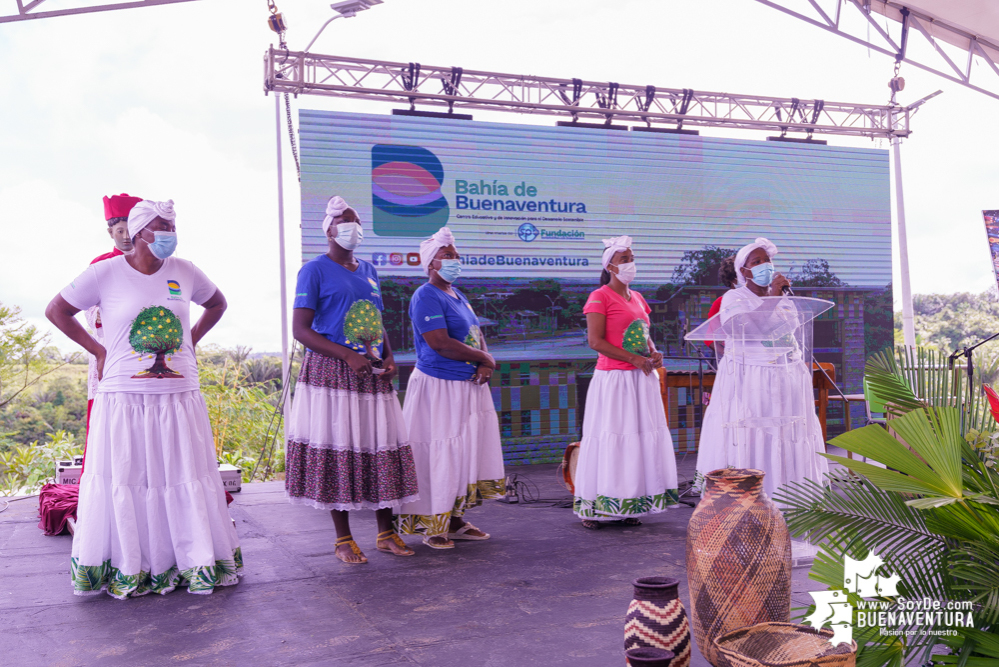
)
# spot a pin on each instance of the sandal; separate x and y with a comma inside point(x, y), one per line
point(589, 524)
point(462, 533)
point(349, 541)
point(631, 521)
point(446, 545)
point(391, 535)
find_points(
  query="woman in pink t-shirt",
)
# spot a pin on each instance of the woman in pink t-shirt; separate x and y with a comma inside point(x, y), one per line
point(626, 465)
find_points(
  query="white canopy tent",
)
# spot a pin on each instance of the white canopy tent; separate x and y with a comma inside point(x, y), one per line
point(960, 33)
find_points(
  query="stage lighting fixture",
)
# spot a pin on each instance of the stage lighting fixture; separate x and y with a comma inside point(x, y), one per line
point(432, 114)
point(799, 140)
point(345, 10)
point(350, 8)
point(590, 126)
point(664, 130)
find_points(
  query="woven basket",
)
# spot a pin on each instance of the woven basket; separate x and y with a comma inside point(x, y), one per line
point(738, 558)
point(782, 645)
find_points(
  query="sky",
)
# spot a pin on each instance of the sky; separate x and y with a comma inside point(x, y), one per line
point(167, 103)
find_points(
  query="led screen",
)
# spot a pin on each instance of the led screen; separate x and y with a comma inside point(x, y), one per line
point(529, 206)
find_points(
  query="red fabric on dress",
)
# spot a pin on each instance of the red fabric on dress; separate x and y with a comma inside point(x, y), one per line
point(90, 403)
point(107, 255)
point(56, 504)
point(714, 310)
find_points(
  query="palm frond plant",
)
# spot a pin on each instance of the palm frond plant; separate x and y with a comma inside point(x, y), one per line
point(931, 514)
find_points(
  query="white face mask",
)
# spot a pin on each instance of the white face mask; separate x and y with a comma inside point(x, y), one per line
point(626, 272)
point(349, 235)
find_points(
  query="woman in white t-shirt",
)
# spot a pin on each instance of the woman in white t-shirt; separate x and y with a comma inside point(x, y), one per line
point(152, 512)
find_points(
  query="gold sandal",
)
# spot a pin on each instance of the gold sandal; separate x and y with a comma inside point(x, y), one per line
point(393, 536)
point(349, 541)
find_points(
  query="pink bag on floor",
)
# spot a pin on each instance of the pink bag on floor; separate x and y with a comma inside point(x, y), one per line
point(56, 504)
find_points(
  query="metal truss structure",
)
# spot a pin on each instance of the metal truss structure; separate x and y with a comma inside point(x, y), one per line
point(833, 16)
point(26, 9)
point(648, 107)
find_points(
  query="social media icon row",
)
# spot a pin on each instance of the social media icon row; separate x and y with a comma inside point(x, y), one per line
point(395, 259)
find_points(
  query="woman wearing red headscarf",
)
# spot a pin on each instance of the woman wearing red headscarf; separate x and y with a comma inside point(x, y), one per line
point(58, 502)
point(116, 210)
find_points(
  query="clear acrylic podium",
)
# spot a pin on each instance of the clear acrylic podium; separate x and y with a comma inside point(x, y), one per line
point(765, 374)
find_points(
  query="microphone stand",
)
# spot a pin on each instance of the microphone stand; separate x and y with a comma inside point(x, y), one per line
point(966, 352)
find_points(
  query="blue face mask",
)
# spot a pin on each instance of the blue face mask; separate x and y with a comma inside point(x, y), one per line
point(164, 245)
point(450, 270)
point(763, 274)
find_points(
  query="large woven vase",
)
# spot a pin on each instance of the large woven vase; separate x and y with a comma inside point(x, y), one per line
point(657, 619)
point(738, 558)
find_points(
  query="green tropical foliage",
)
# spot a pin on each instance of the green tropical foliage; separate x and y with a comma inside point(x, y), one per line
point(88, 577)
point(700, 267)
point(814, 273)
point(24, 468)
point(952, 321)
point(23, 356)
point(48, 424)
point(932, 514)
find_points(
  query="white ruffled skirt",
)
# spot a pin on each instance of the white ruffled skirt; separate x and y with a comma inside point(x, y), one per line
point(347, 447)
point(454, 434)
point(152, 513)
point(788, 453)
point(626, 465)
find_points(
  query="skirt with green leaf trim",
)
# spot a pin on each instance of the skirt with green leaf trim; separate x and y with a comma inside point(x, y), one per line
point(626, 465)
point(454, 434)
point(152, 514)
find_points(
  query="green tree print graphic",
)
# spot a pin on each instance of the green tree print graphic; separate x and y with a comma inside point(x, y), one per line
point(156, 331)
point(474, 337)
point(363, 328)
point(636, 338)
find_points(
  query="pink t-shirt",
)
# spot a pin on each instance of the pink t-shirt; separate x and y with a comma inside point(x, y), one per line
point(627, 324)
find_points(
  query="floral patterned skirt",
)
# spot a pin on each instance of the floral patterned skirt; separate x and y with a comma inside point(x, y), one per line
point(152, 512)
point(347, 447)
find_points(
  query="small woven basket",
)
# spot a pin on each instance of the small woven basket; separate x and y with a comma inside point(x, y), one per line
point(782, 645)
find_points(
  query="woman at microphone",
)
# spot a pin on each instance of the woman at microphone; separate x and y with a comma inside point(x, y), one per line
point(762, 383)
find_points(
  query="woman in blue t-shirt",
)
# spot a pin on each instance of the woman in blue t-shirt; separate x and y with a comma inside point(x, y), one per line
point(347, 446)
point(453, 428)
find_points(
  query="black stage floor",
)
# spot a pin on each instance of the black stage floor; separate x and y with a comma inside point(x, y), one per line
point(543, 591)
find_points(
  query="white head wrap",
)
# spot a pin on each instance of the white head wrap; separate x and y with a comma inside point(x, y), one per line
point(335, 207)
point(743, 255)
point(616, 244)
point(428, 248)
point(146, 211)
